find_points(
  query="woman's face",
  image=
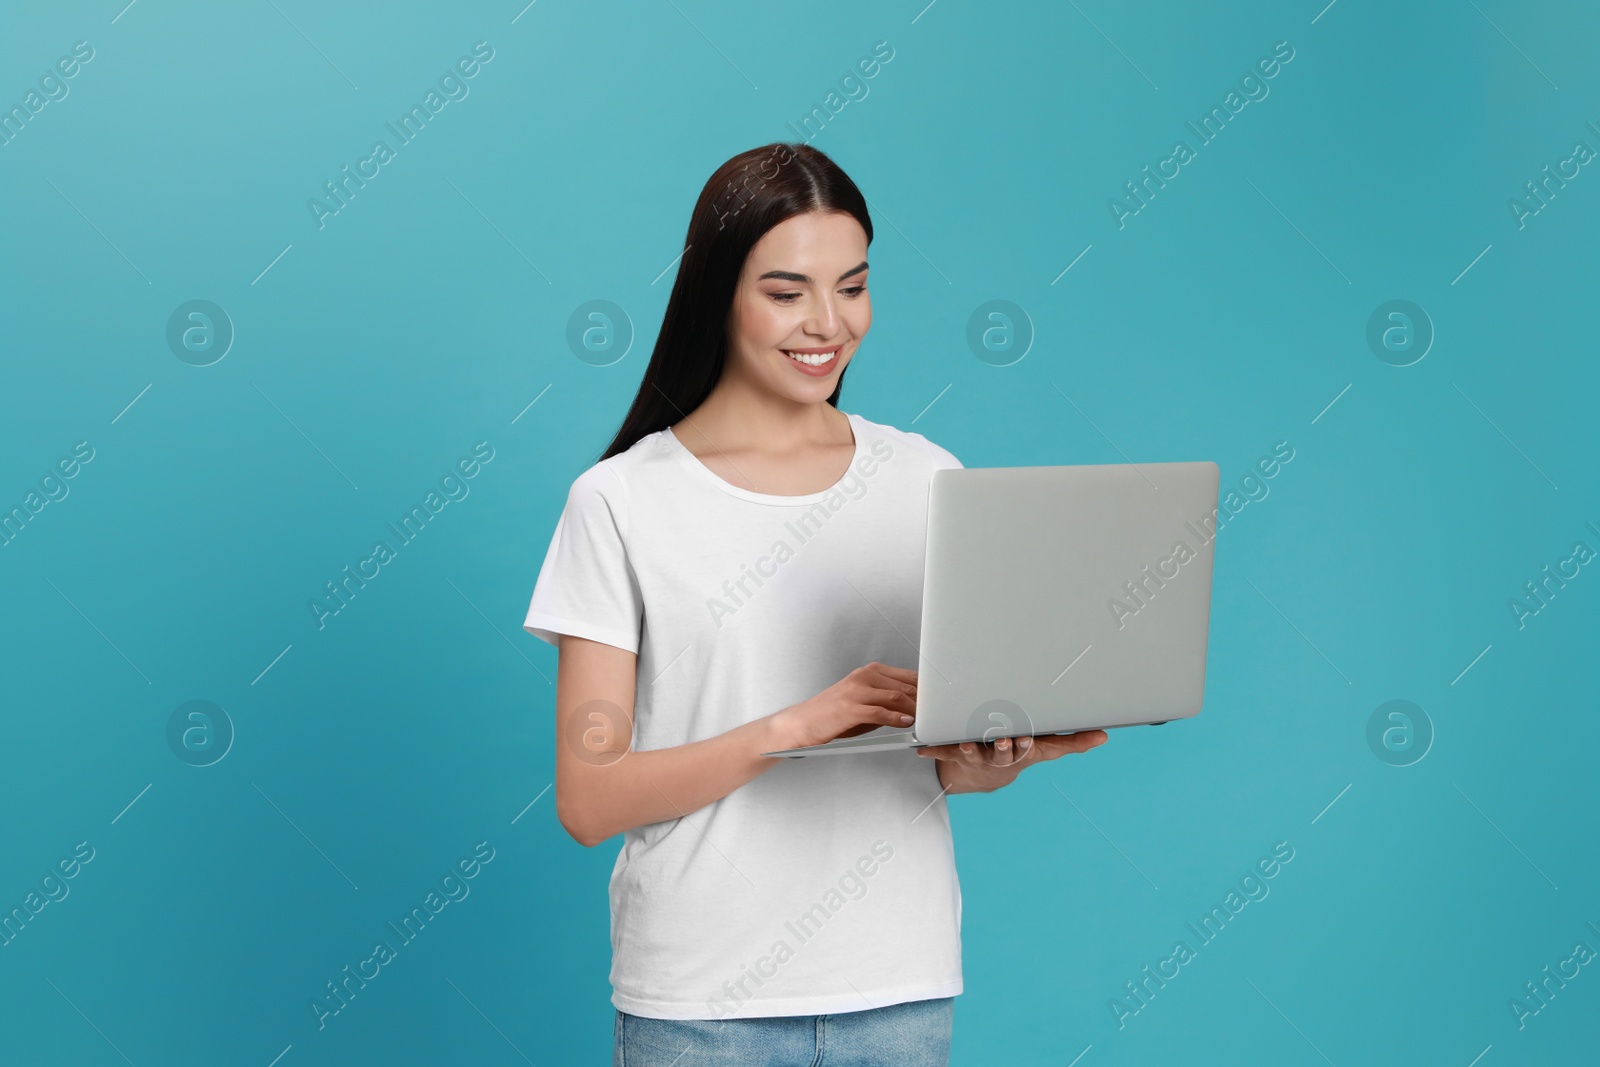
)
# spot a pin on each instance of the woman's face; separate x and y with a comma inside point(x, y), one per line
point(803, 290)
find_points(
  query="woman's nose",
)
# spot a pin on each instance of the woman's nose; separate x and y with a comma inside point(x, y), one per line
point(824, 319)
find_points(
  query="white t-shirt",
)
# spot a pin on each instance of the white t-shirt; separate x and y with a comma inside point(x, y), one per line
point(826, 884)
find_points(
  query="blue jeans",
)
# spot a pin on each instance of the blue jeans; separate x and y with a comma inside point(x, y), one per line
point(913, 1034)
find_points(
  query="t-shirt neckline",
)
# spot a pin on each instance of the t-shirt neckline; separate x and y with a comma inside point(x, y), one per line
point(700, 470)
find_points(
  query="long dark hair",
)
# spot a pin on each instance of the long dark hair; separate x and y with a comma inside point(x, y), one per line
point(747, 196)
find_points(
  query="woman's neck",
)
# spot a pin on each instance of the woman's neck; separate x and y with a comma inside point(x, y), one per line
point(745, 421)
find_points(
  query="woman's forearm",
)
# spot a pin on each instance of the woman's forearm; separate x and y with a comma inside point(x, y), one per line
point(954, 778)
point(596, 801)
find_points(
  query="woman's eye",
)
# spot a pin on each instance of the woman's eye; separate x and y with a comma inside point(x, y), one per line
point(789, 298)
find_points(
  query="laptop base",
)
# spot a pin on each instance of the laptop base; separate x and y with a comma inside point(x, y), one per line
point(890, 740)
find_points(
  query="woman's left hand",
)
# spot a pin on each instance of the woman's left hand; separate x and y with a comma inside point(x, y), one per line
point(984, 766)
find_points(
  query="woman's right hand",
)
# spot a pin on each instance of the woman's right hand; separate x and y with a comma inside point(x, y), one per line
point(868, 697)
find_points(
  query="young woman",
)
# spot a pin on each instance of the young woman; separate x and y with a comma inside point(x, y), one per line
point(741, 572)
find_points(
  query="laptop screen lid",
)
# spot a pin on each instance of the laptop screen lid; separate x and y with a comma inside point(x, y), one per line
point(1064, 598)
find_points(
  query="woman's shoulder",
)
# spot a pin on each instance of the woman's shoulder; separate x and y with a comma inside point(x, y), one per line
point(940, 456)
point(605, 483)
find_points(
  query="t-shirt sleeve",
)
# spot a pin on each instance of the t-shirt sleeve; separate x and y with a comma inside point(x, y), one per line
point(587, 587)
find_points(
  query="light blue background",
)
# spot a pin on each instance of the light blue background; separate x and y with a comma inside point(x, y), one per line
point(1228, 315)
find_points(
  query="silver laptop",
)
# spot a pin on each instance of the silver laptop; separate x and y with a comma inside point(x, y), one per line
point(1059, 599)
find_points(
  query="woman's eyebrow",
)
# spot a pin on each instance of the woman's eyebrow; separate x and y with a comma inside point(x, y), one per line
point(791, 276)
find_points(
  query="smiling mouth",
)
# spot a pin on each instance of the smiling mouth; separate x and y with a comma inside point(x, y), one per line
point(813, 357)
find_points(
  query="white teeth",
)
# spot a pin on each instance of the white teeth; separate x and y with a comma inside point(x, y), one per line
point(815, 360)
